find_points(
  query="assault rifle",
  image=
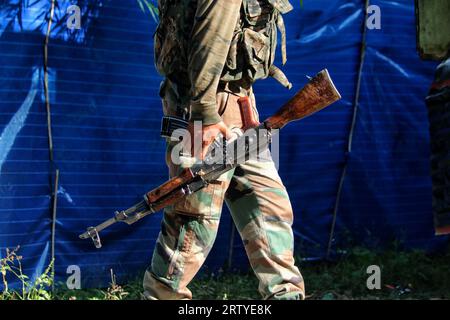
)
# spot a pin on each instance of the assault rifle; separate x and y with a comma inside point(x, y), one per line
point(319, 93)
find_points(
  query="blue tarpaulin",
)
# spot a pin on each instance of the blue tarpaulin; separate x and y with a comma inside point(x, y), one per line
point(357, 173)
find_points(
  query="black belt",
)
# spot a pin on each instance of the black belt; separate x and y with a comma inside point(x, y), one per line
point(170, 124)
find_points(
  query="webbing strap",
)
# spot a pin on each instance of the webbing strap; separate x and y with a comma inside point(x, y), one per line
point(279, 75)
point(282, 28)
point(274, 71)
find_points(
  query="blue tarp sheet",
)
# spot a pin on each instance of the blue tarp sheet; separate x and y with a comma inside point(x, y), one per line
point(105, 113)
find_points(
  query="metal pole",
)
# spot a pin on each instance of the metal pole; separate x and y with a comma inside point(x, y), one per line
point(55, 202)
point(352, 130)
point(50, 139)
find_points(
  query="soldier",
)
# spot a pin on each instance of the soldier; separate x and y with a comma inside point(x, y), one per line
point(210, 53)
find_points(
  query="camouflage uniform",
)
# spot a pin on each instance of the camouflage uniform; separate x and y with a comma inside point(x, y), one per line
point(207, 68)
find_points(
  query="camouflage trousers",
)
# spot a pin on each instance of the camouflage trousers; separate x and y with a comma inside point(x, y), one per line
point(261, 210)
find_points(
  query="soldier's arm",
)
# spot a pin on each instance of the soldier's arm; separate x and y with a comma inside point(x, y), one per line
point(210, 41)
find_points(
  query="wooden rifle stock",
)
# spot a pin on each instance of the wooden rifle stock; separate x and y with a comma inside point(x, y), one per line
point(163, 190)
point(319, 93)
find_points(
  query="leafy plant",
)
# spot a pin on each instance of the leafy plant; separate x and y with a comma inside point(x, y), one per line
point(115, 292)
point(343, 278)
point(37, 289)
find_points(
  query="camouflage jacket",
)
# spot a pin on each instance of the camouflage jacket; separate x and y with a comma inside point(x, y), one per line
point(199, 43)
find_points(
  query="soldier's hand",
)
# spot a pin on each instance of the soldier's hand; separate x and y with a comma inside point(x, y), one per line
point(203, 136)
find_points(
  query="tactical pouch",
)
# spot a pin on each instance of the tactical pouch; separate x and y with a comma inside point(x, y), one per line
point(252, 50)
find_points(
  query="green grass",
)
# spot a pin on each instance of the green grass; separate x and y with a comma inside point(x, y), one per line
point(404, 275)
